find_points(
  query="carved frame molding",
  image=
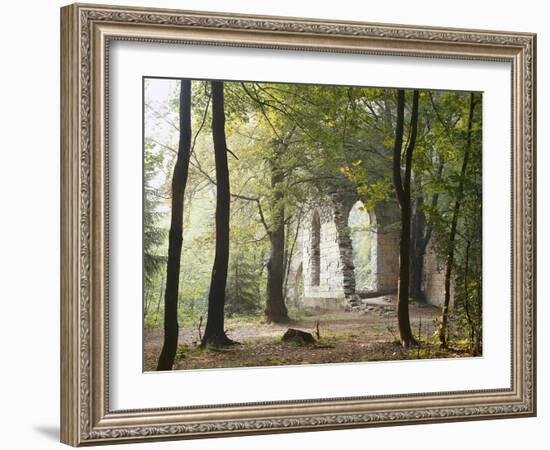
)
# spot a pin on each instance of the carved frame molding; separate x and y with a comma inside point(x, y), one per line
point(86, 31)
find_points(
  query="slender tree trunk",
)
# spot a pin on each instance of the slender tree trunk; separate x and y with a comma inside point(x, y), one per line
point(478, 341)
point(454, 224)
point(276, 310)
point(403, 191)
point(148, 299)
point(405, 332)
point(159, 300)
point(175, 238)
point(214, 333)
point(237, 284)
point(467, 298)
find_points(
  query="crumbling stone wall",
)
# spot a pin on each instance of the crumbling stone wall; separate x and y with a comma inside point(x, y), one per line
point(335, 287)
point(329, 292)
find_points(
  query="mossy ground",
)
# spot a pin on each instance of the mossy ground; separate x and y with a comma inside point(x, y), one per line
point(344, 337)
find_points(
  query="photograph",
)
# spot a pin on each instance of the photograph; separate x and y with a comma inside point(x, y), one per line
point(288, 224)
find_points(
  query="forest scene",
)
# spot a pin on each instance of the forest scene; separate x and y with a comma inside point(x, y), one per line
point(288, 224)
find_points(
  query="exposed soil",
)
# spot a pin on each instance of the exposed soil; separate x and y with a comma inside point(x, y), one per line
point(367, 335)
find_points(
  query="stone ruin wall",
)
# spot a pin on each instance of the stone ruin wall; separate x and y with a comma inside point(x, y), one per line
point(387, 244)
point(336, 288)
point(330, 292)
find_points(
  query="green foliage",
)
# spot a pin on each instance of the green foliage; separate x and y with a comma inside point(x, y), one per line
point(243, 295)
point(371, 191)
point(153, 234)
point(292, 146)
point(436, 171)
point(452, 114)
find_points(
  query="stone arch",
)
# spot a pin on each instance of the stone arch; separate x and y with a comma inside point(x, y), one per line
point(362, 228)
point(324, 250)
point(315, 249)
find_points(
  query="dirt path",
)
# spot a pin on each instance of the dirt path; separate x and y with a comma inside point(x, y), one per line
point(345, 337)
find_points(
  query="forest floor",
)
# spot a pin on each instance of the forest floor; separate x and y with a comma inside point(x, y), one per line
point(367, 335)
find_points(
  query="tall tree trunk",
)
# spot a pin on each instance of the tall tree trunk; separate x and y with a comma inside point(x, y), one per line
point(175, 237)
point(477, 312)
point(403, 191)
point(214, 333)
point(467, 298)
point(148, 299)
point(159, 301)
point(276, 310)
point(454, 224)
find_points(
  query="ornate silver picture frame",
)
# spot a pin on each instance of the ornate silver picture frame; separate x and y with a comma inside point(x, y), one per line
point(87, 33)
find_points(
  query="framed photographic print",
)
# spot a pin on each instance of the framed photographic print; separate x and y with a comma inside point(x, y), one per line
point(275, 224)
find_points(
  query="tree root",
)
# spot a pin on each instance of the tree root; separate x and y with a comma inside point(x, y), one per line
point(217, 342)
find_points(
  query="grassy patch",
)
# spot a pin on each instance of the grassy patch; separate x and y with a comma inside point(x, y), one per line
point(344, 337)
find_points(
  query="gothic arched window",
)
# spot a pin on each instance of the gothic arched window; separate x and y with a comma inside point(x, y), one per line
point(363, 239)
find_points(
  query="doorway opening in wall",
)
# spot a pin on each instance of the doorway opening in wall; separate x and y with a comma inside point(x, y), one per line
point(284, 223)
point(363, 240)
